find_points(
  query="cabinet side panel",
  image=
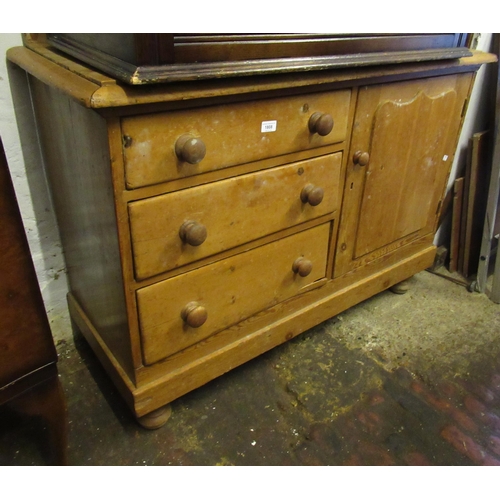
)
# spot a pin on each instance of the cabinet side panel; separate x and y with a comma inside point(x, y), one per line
point(75, 149)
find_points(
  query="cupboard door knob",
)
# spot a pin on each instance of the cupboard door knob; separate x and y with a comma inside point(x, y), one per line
point(361, 158)
point(190, 149)
point(302, 267)
point(320, 123)
point(193, 233)
point(194, 314)
point(312, 195)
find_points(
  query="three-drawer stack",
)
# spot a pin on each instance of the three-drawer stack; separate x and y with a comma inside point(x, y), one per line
point(216, 253)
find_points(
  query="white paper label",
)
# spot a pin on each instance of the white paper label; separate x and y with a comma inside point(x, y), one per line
point(269, 126)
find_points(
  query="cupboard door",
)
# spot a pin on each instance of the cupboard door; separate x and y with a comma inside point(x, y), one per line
point(403, 142)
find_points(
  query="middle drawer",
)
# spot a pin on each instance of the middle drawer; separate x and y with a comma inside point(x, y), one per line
point(174, 229)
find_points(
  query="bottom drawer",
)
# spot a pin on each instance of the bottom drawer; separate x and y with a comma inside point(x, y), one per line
point(183, 310)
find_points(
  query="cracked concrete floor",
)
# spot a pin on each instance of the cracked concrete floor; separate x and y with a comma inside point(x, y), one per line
point(396, 380)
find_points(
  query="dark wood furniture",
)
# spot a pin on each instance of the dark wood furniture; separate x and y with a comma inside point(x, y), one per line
point(151, 58)
point(207, 222)
point(29, 384)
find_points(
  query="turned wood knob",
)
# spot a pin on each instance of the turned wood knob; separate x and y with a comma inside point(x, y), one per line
point(190, 149)
point(312, 195)
point(194, 314)
point(302, 267)
point(320, 123)
point(361, 158)
point(193, 233)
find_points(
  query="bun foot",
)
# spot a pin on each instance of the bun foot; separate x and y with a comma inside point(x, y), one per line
point(400, 288)
point(156, 419)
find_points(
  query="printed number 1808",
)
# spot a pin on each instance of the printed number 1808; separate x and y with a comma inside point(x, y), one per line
point(269, 126)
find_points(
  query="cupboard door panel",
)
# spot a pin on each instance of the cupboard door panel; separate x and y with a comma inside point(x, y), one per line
point(404, 165)
point(401, 153)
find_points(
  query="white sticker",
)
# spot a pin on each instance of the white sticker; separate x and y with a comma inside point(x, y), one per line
point(269, 126)
point(445, 157)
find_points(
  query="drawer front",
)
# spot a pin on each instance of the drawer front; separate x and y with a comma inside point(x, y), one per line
point(183, 310)
point(171, 230)
point(227, 135)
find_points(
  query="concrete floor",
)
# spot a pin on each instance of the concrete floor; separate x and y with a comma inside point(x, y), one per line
point(398, 380)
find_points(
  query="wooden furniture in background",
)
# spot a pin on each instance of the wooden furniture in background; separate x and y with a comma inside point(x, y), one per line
point(207, 222)
point(151, 58)
point(456, 219)
point(474, 202)
point(29, 384)
point(491, 227)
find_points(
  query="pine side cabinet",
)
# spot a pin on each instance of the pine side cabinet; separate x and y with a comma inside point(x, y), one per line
point(205, 222)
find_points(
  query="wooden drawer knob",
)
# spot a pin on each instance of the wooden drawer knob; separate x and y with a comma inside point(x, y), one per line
point(194, 314)
point(312, 194)
point(193, 233)
point(361, 158)
point(320, 123)
point(302, 267)
point(190, 149)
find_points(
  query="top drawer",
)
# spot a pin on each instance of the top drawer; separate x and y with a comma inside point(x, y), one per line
point(166, 146)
